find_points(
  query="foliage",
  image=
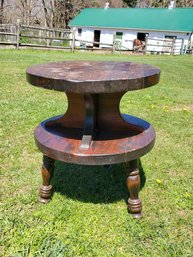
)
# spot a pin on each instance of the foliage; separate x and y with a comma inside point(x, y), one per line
point(87, 215)
point(131, 3)
point(163, 3)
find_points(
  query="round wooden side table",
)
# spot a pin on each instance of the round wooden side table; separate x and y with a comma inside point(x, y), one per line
point(93, 131)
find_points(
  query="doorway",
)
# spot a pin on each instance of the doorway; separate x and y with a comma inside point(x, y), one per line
point(142, 36)
point(118, 40)
point(97, 35)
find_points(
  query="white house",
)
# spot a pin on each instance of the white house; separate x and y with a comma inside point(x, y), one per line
point(151, 25)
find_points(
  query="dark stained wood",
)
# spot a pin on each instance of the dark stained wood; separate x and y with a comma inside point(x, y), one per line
point(89, 121)
point(75, 114)
point(108, 145)
point(133, 184)
point(112, 137)
point(93, 76)
point(45, 190)
point(93, 131)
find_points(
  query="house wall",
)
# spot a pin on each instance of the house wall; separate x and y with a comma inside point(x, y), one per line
point(86, 35)
point(126, 42)
point(191, 40)
point(106, 37)
point(155, 44)
point(154, 41)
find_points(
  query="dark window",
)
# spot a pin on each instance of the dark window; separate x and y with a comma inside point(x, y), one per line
point(170, 37)
point(142, 36)
point(97, 35)
point(119, 35)
point(79, 32)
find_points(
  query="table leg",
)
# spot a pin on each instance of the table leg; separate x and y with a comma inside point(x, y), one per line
point(45, 190)
point(133, 184)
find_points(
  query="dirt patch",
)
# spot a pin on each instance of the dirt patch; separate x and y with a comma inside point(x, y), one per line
point(182, 107)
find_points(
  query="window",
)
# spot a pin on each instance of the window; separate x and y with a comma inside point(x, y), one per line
point(142, 36)
point(79, 32)
point(170, 37)
point(97, 35)
point(119, 35)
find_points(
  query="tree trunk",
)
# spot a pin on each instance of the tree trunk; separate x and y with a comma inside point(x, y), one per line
point(1, 11)
point(46, 14)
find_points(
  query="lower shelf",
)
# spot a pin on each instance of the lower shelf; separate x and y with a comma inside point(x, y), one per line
point(107, 146)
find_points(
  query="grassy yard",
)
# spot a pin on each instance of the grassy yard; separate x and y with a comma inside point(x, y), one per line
point(88, 214)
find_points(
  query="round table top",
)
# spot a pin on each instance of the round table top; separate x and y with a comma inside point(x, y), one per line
point(93, 76)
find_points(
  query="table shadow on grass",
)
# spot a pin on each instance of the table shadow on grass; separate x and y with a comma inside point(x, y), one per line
point(95, 184)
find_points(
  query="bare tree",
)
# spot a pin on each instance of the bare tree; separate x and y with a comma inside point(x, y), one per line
point(143, 3)
point(26, 11)
point(112, 3)
point(58, 13)
point(47, 15)
point(1, 11)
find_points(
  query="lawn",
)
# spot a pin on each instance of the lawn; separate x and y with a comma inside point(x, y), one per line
point(88, 213)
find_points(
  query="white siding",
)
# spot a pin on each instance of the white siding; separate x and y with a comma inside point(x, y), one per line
point(154, 41)
point(106, 37)
point(181, 42)
point(86, 35)
point(128, 38)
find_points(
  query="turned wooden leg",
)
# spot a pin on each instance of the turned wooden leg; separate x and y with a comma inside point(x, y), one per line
point(133, 184)
point(45, 190)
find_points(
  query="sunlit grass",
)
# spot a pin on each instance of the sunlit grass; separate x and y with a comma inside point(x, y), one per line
point(88, 215)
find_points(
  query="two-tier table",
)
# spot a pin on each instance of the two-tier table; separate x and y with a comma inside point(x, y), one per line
point(93, 131)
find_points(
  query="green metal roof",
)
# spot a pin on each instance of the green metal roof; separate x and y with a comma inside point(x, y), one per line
point(159, 19)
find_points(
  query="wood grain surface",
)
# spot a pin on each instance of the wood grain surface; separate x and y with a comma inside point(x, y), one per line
point(93, 76)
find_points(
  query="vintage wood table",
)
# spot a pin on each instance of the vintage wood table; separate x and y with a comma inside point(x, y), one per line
point(93, 131)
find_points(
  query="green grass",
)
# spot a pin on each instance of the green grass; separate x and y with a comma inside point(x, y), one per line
point(88, 215)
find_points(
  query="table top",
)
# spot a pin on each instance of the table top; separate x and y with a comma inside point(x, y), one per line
point(93, 76)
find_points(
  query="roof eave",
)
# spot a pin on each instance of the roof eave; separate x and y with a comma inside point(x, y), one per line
point(140, 29)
